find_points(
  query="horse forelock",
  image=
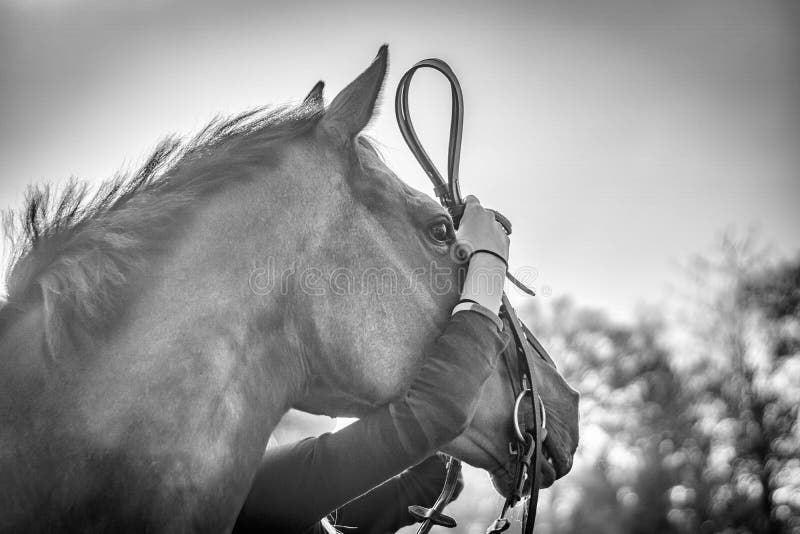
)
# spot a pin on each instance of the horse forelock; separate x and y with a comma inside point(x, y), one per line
point(76, 252)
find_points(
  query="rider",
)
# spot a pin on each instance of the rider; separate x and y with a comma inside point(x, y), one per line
point(299, 484)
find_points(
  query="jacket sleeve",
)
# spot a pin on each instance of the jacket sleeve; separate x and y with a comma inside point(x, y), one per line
point(299, 484)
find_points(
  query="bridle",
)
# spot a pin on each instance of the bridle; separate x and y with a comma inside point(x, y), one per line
point(529, 425)
point(526, 446)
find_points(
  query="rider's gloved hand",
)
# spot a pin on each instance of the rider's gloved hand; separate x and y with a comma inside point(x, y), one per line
point(482, 239)
point(479, 230)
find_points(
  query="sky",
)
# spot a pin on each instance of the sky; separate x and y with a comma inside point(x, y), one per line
point(620, 136)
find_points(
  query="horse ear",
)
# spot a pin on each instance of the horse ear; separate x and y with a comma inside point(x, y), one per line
point(314, 97)
point(352, 109)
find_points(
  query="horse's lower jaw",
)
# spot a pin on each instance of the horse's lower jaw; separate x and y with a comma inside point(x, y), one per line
point(504, 485)
point(503, 481)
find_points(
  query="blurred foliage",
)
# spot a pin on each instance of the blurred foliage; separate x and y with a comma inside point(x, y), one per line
point(689, 417)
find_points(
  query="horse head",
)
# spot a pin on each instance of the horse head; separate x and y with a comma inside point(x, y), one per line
point(398, 233)
point(385, 280)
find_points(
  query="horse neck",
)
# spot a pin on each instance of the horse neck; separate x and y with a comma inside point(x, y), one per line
point(196, 372)
point(23, 372)
point(205, 305)
point(23, 364)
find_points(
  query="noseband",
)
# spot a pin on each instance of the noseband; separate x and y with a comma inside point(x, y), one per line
point(529, 425)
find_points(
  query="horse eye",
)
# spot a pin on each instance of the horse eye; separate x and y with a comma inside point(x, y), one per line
point(439, 233)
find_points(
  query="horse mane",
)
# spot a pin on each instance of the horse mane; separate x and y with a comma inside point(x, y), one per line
point(75, 252)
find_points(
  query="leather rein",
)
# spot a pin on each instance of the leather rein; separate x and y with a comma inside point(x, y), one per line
point(529, 425)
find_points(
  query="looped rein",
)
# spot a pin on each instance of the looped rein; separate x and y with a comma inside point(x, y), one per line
point(526, 448)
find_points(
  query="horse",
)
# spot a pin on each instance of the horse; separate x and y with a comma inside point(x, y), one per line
point(155, 331)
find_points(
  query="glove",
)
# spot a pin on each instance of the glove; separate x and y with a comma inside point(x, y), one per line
point(480, 232)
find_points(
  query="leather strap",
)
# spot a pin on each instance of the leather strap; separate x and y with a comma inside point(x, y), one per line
point(434, 515)
point(533, 418)
point(448, 192)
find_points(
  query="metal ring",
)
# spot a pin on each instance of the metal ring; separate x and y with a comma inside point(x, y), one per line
point(517, 404)
point(544, 415)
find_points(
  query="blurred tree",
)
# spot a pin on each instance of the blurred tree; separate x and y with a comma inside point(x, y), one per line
point(633, 416)
point(745, 378)
point(691, 423)
point(773, 295)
